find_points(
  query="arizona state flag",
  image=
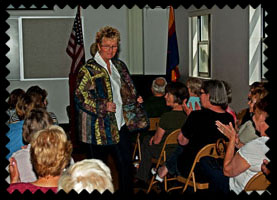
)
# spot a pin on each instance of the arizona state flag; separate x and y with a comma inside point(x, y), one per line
point(172, 70)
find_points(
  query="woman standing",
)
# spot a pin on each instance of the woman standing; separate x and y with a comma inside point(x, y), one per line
point(108, 105)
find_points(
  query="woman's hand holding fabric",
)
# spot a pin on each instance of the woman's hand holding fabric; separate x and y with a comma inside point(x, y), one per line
point(140, 99)
point(111, 107)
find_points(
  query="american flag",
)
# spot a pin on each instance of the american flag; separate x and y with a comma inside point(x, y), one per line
point(75, 47)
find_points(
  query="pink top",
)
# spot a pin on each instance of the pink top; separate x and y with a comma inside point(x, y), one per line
point(232, 112)
point(22, 187)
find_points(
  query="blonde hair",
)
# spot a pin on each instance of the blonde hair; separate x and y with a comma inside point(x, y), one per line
point(50, 151)
point(107, 32)
point(88, 174)
point(194, 84)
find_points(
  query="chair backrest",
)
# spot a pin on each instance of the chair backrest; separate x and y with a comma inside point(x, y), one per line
point(208, 150)
point(257, 182)
point(154, 123)
point(171, 139)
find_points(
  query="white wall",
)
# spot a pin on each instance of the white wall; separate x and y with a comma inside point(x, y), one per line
point(93, 19)
point(229, 44)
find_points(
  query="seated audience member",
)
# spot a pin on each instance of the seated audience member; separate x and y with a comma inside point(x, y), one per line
point(239, 167)
point(23, 107)
point(229, 95)
point(15, 95)
point(88, 174)
point(38, 119)
point(246, 114)
point(50, 154)
point(39, 96)
point(199, 129)
point(155, 105)
point(247, 131)
point(176, 93)
point(194, 86)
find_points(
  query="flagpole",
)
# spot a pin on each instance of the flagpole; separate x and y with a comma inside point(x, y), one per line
point(75, 50)
point(172, 62)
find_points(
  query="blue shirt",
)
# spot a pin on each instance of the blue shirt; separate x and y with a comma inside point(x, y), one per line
point(193, 100)
point(15, 136)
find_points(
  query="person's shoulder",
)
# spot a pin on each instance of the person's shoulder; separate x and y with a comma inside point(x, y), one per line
point(19, 153)
point(90, 62)
point(166, 114)
point(16, 125)
point(119, 63)
point(194, 98)
point(172, 113)
point(155, 99)
point(202, 111)
point(22, 186)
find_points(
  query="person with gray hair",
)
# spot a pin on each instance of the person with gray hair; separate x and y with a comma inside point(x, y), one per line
point(155, 105)
point(199, 128)
point(158, 86)
point(88, 174)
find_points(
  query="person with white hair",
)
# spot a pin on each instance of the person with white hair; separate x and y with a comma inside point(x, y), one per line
point(88, 174)
point(155, 105)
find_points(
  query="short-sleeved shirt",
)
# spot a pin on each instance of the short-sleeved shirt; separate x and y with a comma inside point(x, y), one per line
point(22, 187)
point(24, 165)
point(200, 129)
point(254, 153)
point(171, 121)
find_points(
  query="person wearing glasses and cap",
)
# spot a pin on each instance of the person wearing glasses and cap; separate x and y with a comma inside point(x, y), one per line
point(108, 105)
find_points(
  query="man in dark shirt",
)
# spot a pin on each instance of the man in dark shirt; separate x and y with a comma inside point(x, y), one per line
point(155, 105)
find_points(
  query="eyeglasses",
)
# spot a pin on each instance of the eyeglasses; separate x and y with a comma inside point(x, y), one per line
point(201, 92)
point(107, 47)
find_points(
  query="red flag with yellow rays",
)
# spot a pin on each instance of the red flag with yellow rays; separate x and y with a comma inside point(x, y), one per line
point(172, 70)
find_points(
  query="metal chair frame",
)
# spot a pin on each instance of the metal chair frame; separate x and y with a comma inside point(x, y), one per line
point(170, 139)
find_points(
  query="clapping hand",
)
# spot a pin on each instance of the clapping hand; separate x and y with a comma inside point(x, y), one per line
point(189, 109)
point(264, 167)
point(227, 130)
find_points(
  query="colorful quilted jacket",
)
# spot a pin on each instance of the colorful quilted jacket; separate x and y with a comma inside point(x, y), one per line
point(93, 91)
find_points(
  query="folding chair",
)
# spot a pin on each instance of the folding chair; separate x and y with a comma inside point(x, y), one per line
point(154, 123)
point(170, 139)
point(257, 182)
point(214, 150)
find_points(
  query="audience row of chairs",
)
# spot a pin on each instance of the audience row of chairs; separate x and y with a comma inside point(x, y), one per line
point(216, 150)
